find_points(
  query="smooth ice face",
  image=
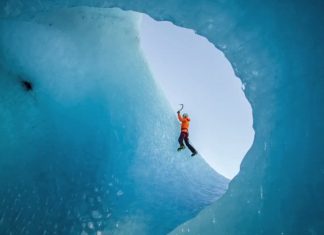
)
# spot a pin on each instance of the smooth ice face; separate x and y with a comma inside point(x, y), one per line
point(88, 142)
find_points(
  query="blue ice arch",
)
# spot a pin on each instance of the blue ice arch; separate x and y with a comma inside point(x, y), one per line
point(88, 141)
point(275, 47)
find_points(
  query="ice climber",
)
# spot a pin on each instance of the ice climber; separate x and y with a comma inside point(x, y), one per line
point(184, 135)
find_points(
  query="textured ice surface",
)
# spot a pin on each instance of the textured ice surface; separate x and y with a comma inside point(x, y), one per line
point(87, 140)
point(276, 48)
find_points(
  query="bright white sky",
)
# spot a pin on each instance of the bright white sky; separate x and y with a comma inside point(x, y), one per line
point(192, 71)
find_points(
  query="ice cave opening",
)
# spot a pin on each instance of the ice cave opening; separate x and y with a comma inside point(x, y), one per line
point(189, 69)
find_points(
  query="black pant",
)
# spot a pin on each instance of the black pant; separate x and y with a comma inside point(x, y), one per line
point(185, 136)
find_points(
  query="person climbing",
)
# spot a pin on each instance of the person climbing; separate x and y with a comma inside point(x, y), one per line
point(184, 135)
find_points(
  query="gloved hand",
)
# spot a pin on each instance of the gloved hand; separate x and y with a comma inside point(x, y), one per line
point(178, 112)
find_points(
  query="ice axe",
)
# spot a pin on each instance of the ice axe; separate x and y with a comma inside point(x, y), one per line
point(180, 108)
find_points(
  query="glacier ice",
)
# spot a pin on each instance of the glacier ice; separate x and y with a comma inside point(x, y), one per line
point(87, 139)
point(276, 48)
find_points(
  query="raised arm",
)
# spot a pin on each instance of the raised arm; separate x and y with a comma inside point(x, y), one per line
point(180, 117)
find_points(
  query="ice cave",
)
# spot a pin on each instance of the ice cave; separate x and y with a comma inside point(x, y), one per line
point(77, 158)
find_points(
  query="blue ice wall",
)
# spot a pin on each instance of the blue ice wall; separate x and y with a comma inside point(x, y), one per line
point(276, 48)
point(87, 140)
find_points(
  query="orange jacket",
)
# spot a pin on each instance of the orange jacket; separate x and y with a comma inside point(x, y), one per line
point(184, 123)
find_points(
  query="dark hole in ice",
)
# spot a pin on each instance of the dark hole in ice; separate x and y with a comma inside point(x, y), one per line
point(28, 86)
